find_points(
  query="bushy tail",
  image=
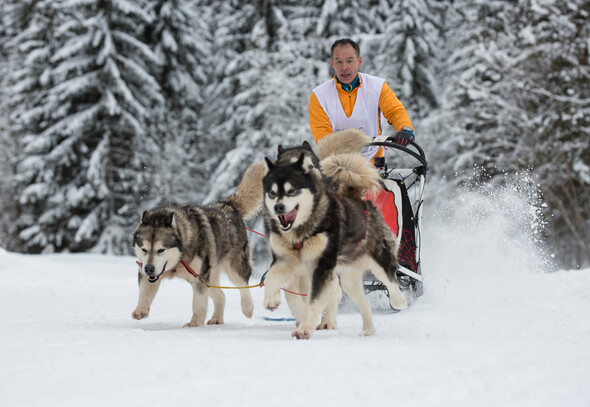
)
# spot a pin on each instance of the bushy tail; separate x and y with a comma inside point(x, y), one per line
point(347, 141)
point(354, 175)
point(247, 199)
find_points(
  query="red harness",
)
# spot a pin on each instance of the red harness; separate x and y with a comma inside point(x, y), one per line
point(186, 266)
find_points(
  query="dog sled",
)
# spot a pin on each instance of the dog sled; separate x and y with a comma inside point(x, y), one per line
point(403, 170)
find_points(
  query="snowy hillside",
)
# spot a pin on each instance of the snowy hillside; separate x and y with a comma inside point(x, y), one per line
point(493, 329)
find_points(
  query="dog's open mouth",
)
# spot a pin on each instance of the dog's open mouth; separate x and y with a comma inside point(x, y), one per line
point(287, 219)
point(154, 279)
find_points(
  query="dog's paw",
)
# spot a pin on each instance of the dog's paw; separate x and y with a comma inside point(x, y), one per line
point(368, 331)
point(326, 325)
point(397, 300)
point(272, 301)
point(215, 321)
point(301, 334)
point(140, 313)
point(248, 308)
point(192, 324)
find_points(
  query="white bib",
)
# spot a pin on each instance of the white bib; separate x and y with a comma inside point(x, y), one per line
point(365, 116)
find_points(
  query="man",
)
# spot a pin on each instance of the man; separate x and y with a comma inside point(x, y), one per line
point(356, 100)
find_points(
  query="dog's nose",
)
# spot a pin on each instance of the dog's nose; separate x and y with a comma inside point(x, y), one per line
point(280, 209)
point(149, 269)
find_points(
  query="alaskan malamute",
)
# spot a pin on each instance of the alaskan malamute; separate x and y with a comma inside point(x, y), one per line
point(209, 239)
point(323, 235)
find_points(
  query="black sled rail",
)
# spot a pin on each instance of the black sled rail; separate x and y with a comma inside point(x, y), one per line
point(409, 279)
point(418, 153)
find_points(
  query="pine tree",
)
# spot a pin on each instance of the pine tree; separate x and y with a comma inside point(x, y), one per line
point(553, 72)
point(480, 122)
point(516, 101)
point(181, 37)
point(87, 131)
point(405, 50)
point(263, 99)
point(28, 49)
point(7, 207)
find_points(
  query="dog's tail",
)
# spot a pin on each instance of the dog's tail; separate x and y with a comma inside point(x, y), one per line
point(347, 141)
point(354, 175)
point(247, 199)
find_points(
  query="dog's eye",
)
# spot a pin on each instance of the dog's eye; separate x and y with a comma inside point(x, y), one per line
point(161, 251)
point(292, 192)
point(144, 251)
point(272, 194)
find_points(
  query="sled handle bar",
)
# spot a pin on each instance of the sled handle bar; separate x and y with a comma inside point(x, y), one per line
point(419, 155)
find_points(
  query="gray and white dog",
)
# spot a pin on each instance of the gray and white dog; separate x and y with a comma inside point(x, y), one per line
point(208, 239)
point(323, 235)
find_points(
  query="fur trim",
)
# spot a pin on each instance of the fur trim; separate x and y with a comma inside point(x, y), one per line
point(249, 194)
point(342, 142)
point(354, 175)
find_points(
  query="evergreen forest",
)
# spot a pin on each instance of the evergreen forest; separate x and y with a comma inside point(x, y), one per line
point(111, 107)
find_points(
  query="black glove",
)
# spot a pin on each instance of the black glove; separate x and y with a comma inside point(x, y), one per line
point(404, 136)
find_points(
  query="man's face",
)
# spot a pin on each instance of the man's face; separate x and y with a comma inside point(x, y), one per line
point(345, 63)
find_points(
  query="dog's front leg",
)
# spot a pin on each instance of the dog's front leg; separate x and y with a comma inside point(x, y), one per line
point(218, 298)
point(352, 284)
point(147, 292)
point(329, 315)
point(322, 292)
point(200, 300)
point(278, 275)
point(300, 285)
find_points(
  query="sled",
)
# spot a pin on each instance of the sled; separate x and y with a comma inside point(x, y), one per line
point(403, 170)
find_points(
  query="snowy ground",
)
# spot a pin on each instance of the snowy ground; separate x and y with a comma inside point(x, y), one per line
point(493, 329)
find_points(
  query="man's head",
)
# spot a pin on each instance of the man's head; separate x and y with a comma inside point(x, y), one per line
point(346, 60)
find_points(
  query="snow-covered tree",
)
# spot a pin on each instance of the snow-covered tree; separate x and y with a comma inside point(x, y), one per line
point(404, 51)
point(88, 130)
point(7, 207)
point(553, 72)
point(253, 103)
point(515, 100)
point(26, 44)
point(482, 123)
point(181, 36)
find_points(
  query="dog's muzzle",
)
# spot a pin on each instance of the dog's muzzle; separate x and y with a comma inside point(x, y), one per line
point(286, 219)
point(150, 272)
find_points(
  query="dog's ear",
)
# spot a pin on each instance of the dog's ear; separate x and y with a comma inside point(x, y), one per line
point(306, 145)
point(168, 219)
point(299, 162)
point(145, 217)
point(269, 164)
point(280, 150)
point(305, 162)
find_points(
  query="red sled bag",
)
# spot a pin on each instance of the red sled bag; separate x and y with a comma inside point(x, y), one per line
point(394, 204)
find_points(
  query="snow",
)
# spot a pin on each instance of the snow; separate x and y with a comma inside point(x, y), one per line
point(493, 328)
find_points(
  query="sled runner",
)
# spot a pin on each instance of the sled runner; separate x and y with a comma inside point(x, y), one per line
point(404, 174)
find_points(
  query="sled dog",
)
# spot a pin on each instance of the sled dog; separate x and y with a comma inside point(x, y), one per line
point(209, 239)
point(323, 235)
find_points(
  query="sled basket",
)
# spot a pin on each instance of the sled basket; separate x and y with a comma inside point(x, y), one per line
point(403, 170)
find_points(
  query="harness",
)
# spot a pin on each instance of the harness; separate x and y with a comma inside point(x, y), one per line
point(206, 284)
point(299, 245)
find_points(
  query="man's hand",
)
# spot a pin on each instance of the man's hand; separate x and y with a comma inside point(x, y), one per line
point(404, 136)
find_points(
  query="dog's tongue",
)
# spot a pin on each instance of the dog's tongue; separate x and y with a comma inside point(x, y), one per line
point(290, 217)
